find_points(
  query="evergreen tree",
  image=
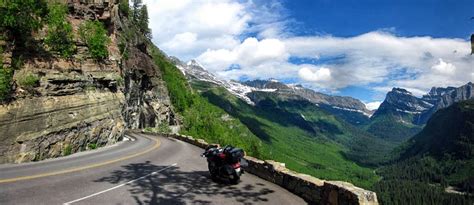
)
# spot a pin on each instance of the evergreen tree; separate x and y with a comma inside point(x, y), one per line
point(136, 5)
point(143, 22)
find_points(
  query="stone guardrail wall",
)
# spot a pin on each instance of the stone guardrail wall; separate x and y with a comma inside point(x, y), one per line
point(311, 189)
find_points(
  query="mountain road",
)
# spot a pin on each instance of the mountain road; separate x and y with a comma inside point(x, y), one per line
point(142, 170)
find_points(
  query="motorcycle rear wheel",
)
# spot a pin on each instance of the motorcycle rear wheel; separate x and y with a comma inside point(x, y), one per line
point(235, 178)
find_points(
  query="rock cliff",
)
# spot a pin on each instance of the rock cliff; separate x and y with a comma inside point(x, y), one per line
point(80, 103)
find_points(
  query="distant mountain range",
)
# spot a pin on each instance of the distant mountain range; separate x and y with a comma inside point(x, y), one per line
point(401, 102)
point(401, 115)
point(350, 109)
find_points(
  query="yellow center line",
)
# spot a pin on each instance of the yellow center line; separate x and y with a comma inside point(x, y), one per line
point(157, 144)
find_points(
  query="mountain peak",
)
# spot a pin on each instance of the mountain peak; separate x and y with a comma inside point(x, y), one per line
point(401, 91)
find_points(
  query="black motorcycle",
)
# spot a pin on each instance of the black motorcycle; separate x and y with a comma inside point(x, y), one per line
point(225, 163)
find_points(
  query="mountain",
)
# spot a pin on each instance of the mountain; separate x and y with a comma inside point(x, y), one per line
point(347, 108)
point(285, 121)
point(449, 131)
point(436, 162)
point(404, 114)
point(444, 97)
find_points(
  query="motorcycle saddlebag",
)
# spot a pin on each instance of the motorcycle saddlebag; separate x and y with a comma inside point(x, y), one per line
point(235, 155)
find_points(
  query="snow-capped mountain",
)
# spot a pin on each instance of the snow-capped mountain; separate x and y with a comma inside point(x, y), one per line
point(350, 109)
point(401, 102)
point(194, 70)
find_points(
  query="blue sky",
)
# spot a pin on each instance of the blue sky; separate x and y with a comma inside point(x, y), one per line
point(345, 18)
point(348, 18)
point(357, 48)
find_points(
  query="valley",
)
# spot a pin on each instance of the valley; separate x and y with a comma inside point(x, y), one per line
point(76, 76)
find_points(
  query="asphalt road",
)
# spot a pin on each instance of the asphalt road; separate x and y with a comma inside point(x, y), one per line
point(148, 170)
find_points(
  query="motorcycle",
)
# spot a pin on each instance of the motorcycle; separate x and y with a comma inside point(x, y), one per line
point(225, 163)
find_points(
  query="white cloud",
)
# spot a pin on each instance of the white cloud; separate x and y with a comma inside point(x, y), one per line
point(444, 68)
point(373, 105)
point(319, 75)
point(219, 33)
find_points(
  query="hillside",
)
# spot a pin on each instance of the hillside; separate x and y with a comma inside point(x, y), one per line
point(404, 115)
point(440, 156)
point(287, 122)
point(286, 127)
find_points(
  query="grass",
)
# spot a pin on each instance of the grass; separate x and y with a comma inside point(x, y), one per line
point(26, 79)
point(67, 150)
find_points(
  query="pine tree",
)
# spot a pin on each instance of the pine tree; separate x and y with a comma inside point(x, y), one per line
point(143, 22)
point(136, 5)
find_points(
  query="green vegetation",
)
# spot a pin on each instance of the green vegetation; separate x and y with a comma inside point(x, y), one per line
point(124, 7)
point(95, 36)
point(6, 75)
point(162, 128)
point(143, 22)
point(26, 79)
point(67, 150)
point(285, 126)
point(392, 128)
point(92, 146)
point(19, 18)
point(59, 37)
point(439, 156)
point(140, 17)
point(123, 49)
point(202, 119)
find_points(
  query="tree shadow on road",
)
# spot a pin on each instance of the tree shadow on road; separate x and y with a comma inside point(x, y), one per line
point(173, 186)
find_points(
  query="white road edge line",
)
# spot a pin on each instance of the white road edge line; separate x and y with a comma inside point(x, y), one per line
point(121, 185)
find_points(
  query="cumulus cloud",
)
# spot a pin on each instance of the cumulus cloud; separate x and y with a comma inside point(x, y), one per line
point(187, 28)
point(222, 33)
point(318, 75)
point(373, 105)
point(444, 68)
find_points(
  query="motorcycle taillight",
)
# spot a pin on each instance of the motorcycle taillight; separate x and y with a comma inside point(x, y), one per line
point(236, 165)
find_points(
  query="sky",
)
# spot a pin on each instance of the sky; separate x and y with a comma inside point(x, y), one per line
point(358, 48)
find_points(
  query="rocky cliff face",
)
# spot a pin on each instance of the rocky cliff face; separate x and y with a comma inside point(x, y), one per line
point(347, 108)
point(80, 103)
point(400, 102)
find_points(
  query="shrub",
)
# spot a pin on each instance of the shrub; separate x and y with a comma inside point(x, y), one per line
point(21, 17)
point(92, 145)
point(59, 37)
point(5, 82)
point(164, 128)
point(95, 36)
point(67, 150)
point(26, 79)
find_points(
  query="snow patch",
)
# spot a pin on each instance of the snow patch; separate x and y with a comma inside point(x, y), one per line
point(409, 112)
point(352, 110)
point(195, 69)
